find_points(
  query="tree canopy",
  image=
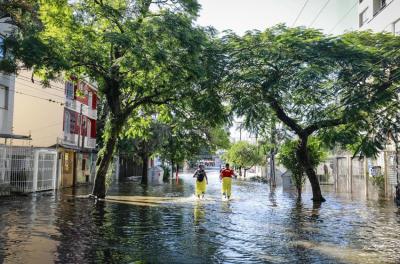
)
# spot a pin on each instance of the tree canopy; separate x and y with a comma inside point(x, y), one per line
point(244, 155)
point(311, 82)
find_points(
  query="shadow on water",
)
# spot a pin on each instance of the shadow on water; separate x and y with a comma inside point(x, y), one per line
point(166, 223)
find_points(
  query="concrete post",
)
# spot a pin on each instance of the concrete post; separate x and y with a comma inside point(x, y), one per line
point(366, 175)
point(385, 162)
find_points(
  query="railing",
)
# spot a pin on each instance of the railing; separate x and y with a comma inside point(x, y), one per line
point(70, 139)
point(92, 113)
point(76, 106)
point(71, 104)
point(90, 143)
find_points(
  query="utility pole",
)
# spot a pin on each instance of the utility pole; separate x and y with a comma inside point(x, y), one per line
point(80, 127)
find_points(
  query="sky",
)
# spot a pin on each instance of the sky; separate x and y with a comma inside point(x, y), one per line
point(337, 16)
point(243, 15)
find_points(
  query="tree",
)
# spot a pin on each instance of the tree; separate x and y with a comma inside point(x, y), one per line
point(23, 47)
point(141, 53)
point(311, 82)
point(244, 155)
point(288, 158)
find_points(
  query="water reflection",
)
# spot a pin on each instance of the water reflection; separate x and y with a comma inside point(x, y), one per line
point(165, 223)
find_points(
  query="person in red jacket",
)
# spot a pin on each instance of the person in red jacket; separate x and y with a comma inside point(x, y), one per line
point(226, 177)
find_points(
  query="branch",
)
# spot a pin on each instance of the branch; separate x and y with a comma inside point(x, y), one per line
point(280, 113)
point(324, 124)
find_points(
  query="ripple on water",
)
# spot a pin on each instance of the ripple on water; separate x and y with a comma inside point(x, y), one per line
point(166, 223)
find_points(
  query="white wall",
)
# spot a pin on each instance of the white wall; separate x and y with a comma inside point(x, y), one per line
point(384, 19)
point(34, 115)
point(6, 115)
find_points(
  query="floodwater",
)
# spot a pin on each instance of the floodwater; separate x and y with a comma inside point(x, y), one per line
point(167, 224)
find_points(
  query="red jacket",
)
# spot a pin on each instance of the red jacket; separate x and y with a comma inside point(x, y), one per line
point(227, 173)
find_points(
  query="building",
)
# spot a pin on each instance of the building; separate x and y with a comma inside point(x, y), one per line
point(78, 144)
point(6, 87)
point(379, 15)
point(62, 116)
point(38, 111)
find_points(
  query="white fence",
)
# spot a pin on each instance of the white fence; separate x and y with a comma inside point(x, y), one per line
point(25, 169)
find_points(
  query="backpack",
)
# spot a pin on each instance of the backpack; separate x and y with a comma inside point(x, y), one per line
point(200, 175)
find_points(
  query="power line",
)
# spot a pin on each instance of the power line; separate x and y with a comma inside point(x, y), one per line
point(32, 87)
point(340, 21)
point(299, 14)
point(40, 90)
point(319, 13)
point(50, 86)
point(34, 96)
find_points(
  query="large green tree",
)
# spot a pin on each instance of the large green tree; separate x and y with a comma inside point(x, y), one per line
point(311, 82)
point(244, 155)
point(141, 54)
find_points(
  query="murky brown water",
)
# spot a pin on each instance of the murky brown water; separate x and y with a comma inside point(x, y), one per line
point(257, 226)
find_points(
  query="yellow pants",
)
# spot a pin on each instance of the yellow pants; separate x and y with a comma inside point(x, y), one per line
point(226, 186)
point(201, 187)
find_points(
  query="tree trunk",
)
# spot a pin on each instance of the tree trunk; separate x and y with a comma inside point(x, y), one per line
point(272, 168)
point(145, 160)
point(298, 192)
point(172, 169)
point(104, 159)
point(244, 174)
point(304, 160)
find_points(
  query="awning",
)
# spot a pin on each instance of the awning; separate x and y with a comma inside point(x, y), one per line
point(14, 136)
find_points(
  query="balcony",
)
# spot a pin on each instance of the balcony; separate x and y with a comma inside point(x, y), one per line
point(76, 106)
point(70, 139)
point(72, 105)
point(90, 143)
point(92, 113)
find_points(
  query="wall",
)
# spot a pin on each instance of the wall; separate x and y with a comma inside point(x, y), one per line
point(384, 19)
point(6, 115)
point(34, 114)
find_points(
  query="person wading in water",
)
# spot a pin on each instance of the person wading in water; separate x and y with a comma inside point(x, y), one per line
point(226, 178)
point(201, 181)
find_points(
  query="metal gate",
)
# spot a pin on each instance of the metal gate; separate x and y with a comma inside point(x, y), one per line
point(20, 168)
point(45, 170)
point(25, 169)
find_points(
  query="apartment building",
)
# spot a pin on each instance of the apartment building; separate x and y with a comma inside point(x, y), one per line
point(61, 116)
point(6, 87)
point(379, 15)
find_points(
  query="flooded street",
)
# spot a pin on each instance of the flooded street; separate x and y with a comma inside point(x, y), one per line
point(166, 224)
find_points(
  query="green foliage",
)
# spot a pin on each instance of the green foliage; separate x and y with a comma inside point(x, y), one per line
point(315, 83)
point(244, 154)
point(287, 156)
point(379, 181)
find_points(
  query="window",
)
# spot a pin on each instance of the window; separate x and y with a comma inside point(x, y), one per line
point(3, 97)
point(88, 128)
point(2, 52)
point(378, 5)
point(363, 17)
point(69, 90)
point(67, 123)
point(396, 27)
point(90, 100)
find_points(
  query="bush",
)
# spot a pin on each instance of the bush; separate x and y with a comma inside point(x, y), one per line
point(288, 158)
